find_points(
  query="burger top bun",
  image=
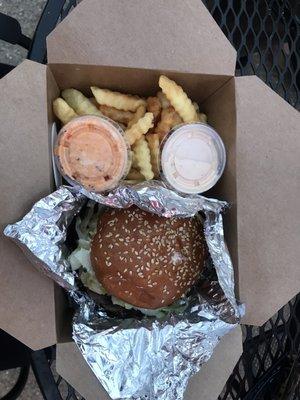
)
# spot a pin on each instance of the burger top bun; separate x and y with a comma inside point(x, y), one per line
point(146, 260)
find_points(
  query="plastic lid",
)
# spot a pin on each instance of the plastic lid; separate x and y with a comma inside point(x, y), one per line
point(91, 151)
point(192, 158)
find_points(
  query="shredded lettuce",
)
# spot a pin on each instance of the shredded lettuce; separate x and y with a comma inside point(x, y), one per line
point(177, 307)
point(84, 244)
point(86, 227)
point(80, 257)
point(90, 281)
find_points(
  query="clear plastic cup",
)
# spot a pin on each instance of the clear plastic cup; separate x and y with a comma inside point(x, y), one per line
point(91, 152)
point(193, 158)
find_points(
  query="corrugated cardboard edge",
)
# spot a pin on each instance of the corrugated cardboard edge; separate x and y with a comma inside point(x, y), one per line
point(161, 34)
point(268, 192)
point(27, 309)
point(133, 80)
point(206, 385)
point(220, 108)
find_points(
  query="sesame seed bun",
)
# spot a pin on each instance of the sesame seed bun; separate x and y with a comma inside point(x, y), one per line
point(146, 260)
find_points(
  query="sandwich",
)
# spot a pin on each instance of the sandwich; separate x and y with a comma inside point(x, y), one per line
point(141, 260)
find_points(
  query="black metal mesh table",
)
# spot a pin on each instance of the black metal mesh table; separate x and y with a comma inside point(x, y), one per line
point(266, 35)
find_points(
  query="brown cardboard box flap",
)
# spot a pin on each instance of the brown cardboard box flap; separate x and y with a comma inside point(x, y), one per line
point(28, 315)
point(206, 385)
point(161, 34)
point(268, 193)
point(210, 381)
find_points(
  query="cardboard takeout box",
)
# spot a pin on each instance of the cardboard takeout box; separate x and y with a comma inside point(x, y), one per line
point(125, 45)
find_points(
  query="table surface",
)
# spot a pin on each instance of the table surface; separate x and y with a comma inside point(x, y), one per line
point(266, 35)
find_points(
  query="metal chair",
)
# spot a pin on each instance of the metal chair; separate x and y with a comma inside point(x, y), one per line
point(14, 355)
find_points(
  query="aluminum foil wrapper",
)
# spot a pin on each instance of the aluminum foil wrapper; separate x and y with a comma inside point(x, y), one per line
point(43, 231)
point(138, 358)
point(155, 197)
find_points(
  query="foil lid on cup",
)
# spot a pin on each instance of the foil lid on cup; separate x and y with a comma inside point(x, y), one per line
point(192, 158)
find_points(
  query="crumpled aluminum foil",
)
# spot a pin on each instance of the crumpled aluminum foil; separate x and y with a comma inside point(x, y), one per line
point(138, 358)
point(155, 197)
point(43, 232)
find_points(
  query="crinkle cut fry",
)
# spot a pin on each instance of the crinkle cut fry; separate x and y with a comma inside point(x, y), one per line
point(179, 99)
point(143, 158)
point(140, 128)
point(117, 100)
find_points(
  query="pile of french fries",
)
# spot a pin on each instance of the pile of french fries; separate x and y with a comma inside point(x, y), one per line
point(146, 122)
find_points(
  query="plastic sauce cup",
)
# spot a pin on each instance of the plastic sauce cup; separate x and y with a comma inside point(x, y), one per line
point(193, 158)
point(91, 151)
